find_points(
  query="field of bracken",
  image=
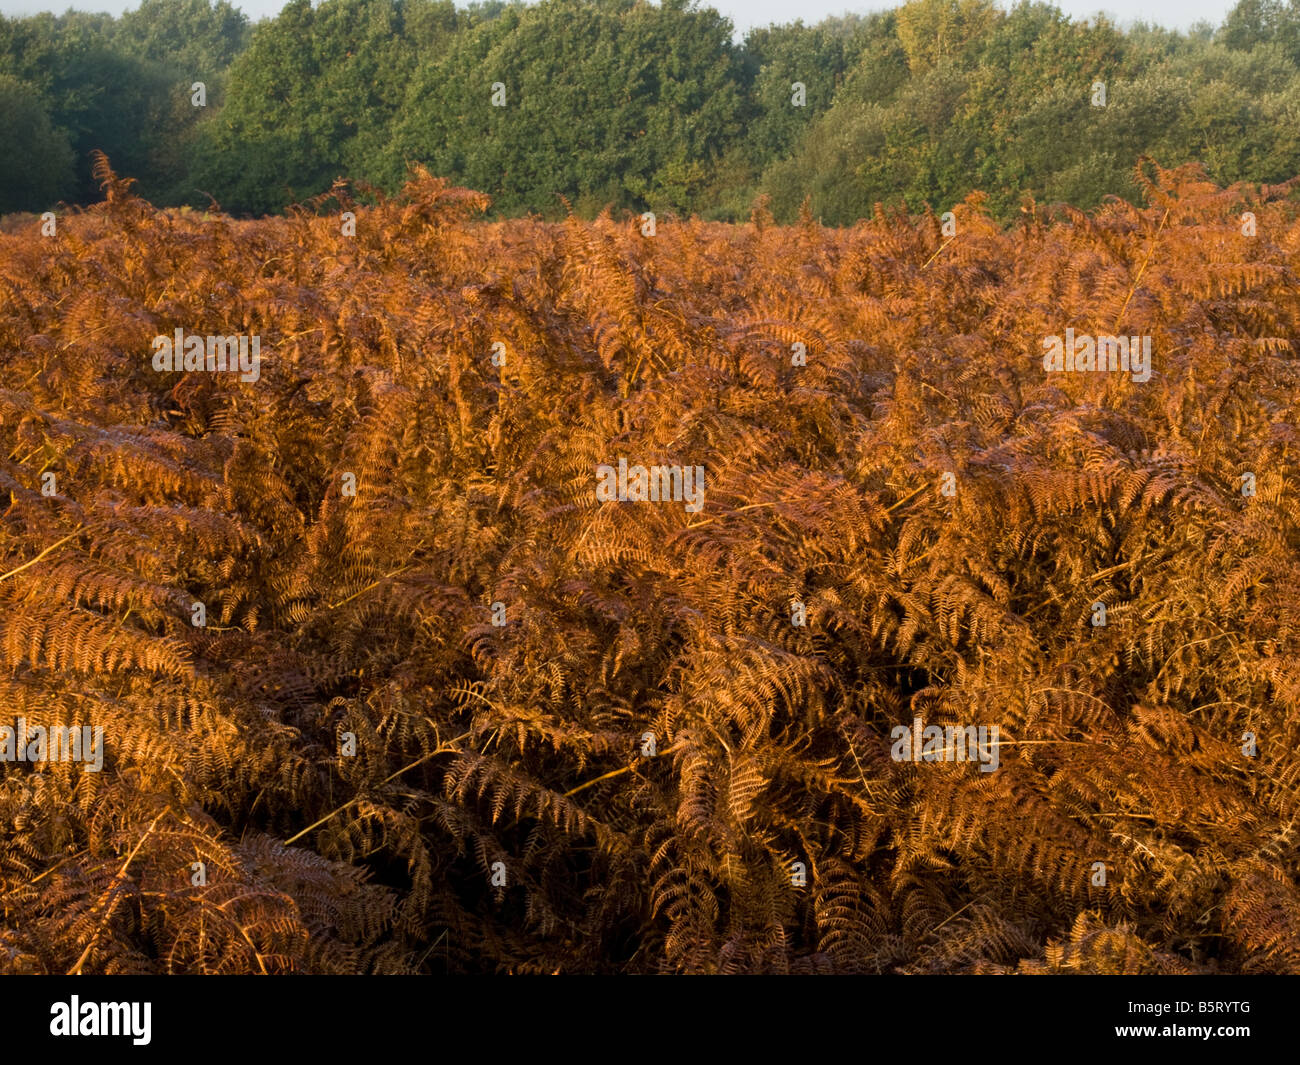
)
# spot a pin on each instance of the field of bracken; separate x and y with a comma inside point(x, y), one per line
point(386, 684)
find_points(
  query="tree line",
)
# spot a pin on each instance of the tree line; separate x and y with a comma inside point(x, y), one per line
point(583, 104)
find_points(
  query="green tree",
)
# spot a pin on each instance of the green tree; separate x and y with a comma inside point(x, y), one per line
point(778, 56)
point(606, 101)
point(932, 31)
point(198, 38)
point(38, 176)
point(312, 96)
point(124, 87)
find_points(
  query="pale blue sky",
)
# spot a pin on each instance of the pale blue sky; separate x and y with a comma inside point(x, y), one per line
point(1173, 14)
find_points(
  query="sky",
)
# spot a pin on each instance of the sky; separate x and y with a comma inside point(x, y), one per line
point(746, 14)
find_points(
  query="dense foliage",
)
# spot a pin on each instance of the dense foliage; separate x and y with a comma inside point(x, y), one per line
point(641, 106)
point(497, 642)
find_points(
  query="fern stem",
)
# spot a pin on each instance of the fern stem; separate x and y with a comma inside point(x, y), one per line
point(618, 772)
point(597, 780)
point(1116, 569)
point(373, 584)
point(1141, 270)
point(440, 749)
point(60, 543)
point(936, 254)
point(956, 912)
point(750, 506)
point(894, 506)
point(111, 891)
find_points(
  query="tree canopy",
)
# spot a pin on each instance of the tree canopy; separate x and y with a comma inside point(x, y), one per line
point(635, 105)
